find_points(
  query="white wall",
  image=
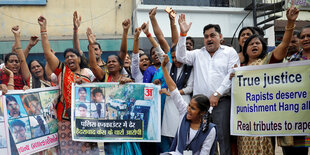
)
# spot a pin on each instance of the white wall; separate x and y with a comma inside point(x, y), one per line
point(227, 18)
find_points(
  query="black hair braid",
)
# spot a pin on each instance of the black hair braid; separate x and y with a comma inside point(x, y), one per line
point(207, 118)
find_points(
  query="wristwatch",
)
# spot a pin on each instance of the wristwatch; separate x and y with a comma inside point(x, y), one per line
point(216, 95)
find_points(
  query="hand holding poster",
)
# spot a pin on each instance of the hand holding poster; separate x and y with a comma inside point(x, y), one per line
point(109, 112)
point(271, 100)
point(4, 139)
point(31, 118)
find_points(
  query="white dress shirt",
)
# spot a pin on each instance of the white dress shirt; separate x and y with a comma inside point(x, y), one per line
point(210, 73)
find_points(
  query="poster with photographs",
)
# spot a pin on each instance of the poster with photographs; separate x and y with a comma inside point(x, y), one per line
point(4, 139)
point(32, 119)
point(109, 112)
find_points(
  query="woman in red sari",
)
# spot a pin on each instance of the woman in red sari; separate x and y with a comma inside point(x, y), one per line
point(73, 70)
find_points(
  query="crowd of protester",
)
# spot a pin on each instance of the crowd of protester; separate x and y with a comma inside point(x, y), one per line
point(192, 81)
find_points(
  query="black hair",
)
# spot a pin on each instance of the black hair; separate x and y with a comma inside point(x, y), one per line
point(120, 61)
point(151, 50)
point(41, 123)
point(96, 43)
point(140, 55)
point(44, 73)
point(215, 26)
point(192, 40)
point(297, 33)
point(29, 98)
point(77, 53)
point(259, 31)
point(6, 58)
point(9, 98)
point(98, 109)
point(203, 105)
point(81, 89)
point(203, 102)
point(246, 44)
point(97, 90)
point(243, 29)
point(302, 29)
point(82, 105)
point(17, 122)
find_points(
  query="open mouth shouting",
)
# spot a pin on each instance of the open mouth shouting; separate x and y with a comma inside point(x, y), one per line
point(71, 64)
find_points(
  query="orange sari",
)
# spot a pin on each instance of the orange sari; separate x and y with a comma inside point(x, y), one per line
point(67, 146)
point(68, 77)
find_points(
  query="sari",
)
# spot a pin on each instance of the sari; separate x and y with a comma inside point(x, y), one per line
point(67, 146)
point(259, 144)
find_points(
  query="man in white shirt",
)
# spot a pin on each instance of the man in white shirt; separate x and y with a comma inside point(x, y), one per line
point(212, 66)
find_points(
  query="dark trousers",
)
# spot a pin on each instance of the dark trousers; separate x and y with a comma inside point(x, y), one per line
point(221, 117)
point(289, 150)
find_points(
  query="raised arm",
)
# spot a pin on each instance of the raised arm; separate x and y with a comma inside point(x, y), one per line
point(76, 24)
point(135, 68)
point(174, 92)
point(123, 50)
point(145, 28)
point(159, 52)
point(23, 64)
point(135, 48)
point(173, 26)
point(291, 14)
point(169, 81)
point(157, 31)
point(48, 70)
point(98, 72)
point(51, 59)
point(32, 42)
point(181, 53)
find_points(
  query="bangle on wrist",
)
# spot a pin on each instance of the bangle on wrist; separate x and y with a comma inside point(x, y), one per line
point(148, 35)
point(43, 33)
point(18, 48)
point(75, 29)
point(290, 28)
point(183, 34)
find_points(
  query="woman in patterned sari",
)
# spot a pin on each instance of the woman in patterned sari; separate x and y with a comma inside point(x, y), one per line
point(73, 70)
point(255, 53)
